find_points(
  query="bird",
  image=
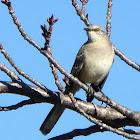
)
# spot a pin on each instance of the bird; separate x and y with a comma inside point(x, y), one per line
point(92, 65)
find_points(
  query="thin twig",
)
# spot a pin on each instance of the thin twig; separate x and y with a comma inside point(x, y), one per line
point(10, 73)
point(126, 59)
point(47, 35)
point(83, 5)
point(17, 23)
point(108, 25)
point(21, 104)
point(81, 13)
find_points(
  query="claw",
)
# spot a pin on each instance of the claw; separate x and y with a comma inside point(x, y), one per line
point(90, 94)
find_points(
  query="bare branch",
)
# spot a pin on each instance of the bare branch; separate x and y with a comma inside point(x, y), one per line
point(7, 56)
point(88, 131)
point(47, 35)
point(9, 72)
point(81, 13)
point(123, 110)
point(21, 104)
point(48, 32)
point(35, 93)
point(108, 25)
point(83, 5)
point(107, 115)
point(98, 122)
point(17, 23)
point(80, 132)
point(126, 60)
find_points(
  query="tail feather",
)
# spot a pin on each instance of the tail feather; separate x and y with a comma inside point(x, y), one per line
point(52, 119)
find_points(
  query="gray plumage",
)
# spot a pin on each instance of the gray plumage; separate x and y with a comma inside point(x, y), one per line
point(92, 65)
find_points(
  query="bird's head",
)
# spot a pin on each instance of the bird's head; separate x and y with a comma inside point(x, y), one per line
point(95, 32)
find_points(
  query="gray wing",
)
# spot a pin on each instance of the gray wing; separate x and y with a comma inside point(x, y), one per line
point(78, 64)
point(76, 69)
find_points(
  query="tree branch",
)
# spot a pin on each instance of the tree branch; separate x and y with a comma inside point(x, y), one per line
point(12, 74)
point(108, 25)
point(88, 131)
point(21, 104)
point(81, 13)
point(107, 115)
point(47, 35)
point(98, 122)
point(131, 131)
point(126, 60)
point(80, 132)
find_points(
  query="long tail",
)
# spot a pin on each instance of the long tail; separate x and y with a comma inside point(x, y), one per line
point(52, 119)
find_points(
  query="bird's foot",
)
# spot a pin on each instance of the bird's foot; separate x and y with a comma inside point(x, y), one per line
point(90, 94)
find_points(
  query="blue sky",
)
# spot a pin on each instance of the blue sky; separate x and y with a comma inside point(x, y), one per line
point(68, 36)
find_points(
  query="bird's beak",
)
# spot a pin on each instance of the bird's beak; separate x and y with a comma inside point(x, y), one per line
point(86, 29)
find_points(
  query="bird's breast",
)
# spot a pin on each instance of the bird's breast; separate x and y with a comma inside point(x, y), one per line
point(97, 65)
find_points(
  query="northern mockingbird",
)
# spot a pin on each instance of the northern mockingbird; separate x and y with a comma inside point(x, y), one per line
point(92, 65)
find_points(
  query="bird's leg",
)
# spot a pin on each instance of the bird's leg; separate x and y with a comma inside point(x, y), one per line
point(90, 94)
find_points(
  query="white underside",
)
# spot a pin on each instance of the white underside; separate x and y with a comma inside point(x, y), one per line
point(97, 65)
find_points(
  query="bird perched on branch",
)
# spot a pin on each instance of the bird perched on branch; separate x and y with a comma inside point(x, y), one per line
point(92, 65)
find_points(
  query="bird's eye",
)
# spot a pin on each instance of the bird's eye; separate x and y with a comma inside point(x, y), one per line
point(97, 29)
